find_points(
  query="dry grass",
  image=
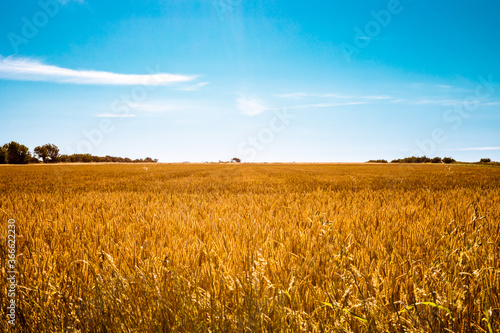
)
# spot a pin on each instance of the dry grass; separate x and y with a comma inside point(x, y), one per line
point(186, 248)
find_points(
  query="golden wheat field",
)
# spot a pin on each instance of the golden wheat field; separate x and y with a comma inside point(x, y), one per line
point(253, 247)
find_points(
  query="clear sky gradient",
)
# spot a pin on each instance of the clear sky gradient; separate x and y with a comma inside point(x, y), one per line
point(275, 81)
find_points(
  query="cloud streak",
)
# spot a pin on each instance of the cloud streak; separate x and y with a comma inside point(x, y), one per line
point(154, 109)
point(301, 95)
point(251, 106)
point(366, 99)
point(114, 115)
point(448, 102)
point(444, 102)
point(162, 106)
point(324, 105)
point(474, 149)
point(25, 69)
point(194, 87)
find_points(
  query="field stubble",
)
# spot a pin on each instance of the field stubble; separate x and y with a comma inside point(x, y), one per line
point(278, 247)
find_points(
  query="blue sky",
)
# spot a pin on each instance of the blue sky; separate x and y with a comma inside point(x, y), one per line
point(320, 81)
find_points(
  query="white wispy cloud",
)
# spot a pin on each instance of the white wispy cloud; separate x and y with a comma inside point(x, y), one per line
point(254, 105)
point(115, 115)
point(251, 106)
point(26, 69)
point(448, 102)
point(153, 108)
point(324, 105)
point(376, 97)
point(339, 97)
point(194, 87)
point(474, 149)
point(492, 103)
point(445, 102)
point(302, 95)
point(149, 107)
point(162, 106)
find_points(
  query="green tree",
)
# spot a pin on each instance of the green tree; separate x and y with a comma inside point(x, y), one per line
point(64, 158)
point(46, 152)
point(377, 161)
point(3, 155)
point(41, 152)
point(53, 152)
point(17, 153)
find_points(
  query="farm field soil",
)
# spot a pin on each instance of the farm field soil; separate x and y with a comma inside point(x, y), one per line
point(252, 247)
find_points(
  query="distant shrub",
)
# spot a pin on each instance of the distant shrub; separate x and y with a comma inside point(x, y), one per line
point(485, 160)
point(436, 160)
point(413, 159)
point(448, 160)
point(377, 161)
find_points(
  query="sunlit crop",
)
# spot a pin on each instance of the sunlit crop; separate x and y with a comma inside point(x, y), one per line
point(264, 247)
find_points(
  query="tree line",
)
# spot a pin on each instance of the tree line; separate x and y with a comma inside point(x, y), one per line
point(16, 153)
point(425, 159)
